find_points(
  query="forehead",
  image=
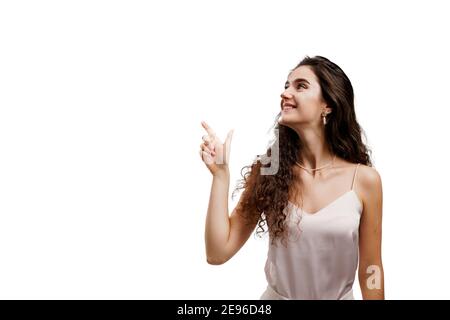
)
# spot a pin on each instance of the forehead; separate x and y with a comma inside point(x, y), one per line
point(304, 72)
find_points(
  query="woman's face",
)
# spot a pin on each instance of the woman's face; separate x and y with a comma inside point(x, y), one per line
point(303, 93)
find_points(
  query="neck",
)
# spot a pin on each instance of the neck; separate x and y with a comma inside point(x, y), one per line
point(315, 151)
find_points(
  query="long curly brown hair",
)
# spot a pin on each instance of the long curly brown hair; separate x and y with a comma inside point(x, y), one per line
point(266, 195)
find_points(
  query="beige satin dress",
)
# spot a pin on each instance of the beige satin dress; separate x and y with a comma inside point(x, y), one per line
point(321, 257)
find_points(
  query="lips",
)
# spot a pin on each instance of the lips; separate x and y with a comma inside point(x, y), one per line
point(288, 106)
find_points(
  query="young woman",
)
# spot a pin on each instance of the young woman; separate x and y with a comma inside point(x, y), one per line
point(319, 196)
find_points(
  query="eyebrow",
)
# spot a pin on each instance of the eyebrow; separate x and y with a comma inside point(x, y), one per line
point(298, 80)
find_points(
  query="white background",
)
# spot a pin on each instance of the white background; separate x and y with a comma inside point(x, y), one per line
point(102, 192)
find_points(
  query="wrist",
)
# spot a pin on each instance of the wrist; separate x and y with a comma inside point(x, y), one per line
point(222, 173)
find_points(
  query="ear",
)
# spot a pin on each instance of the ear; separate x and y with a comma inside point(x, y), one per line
point(328, 110)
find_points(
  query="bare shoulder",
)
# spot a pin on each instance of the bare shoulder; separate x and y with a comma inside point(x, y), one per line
point(368, 177)
point(368, 184)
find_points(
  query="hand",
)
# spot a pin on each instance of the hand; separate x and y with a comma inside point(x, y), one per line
point(213, 152)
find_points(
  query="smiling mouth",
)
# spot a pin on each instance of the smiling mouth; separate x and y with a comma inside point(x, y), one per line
point(288, 107)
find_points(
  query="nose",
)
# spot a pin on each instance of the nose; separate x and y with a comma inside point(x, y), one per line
point(285, 95)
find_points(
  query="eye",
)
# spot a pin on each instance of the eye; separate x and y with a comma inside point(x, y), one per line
point(298, 86)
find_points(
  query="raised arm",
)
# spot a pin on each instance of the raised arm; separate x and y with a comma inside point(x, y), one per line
point(224, 234)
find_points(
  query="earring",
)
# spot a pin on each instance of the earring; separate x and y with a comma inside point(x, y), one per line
point(324, 118)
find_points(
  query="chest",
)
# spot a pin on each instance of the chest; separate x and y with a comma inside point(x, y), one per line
point(338, 222)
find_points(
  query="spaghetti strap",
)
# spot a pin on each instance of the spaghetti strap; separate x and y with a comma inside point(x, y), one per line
point(354, 175)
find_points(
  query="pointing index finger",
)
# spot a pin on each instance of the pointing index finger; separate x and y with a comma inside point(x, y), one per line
point(208, 129)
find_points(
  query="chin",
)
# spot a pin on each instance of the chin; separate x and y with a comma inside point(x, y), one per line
point(287, 119)
point(283, 121)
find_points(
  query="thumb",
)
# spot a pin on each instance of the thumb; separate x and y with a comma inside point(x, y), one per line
point(229, 137)
point(227, 145)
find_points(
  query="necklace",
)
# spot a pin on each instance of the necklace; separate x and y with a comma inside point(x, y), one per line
point(311, 169)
